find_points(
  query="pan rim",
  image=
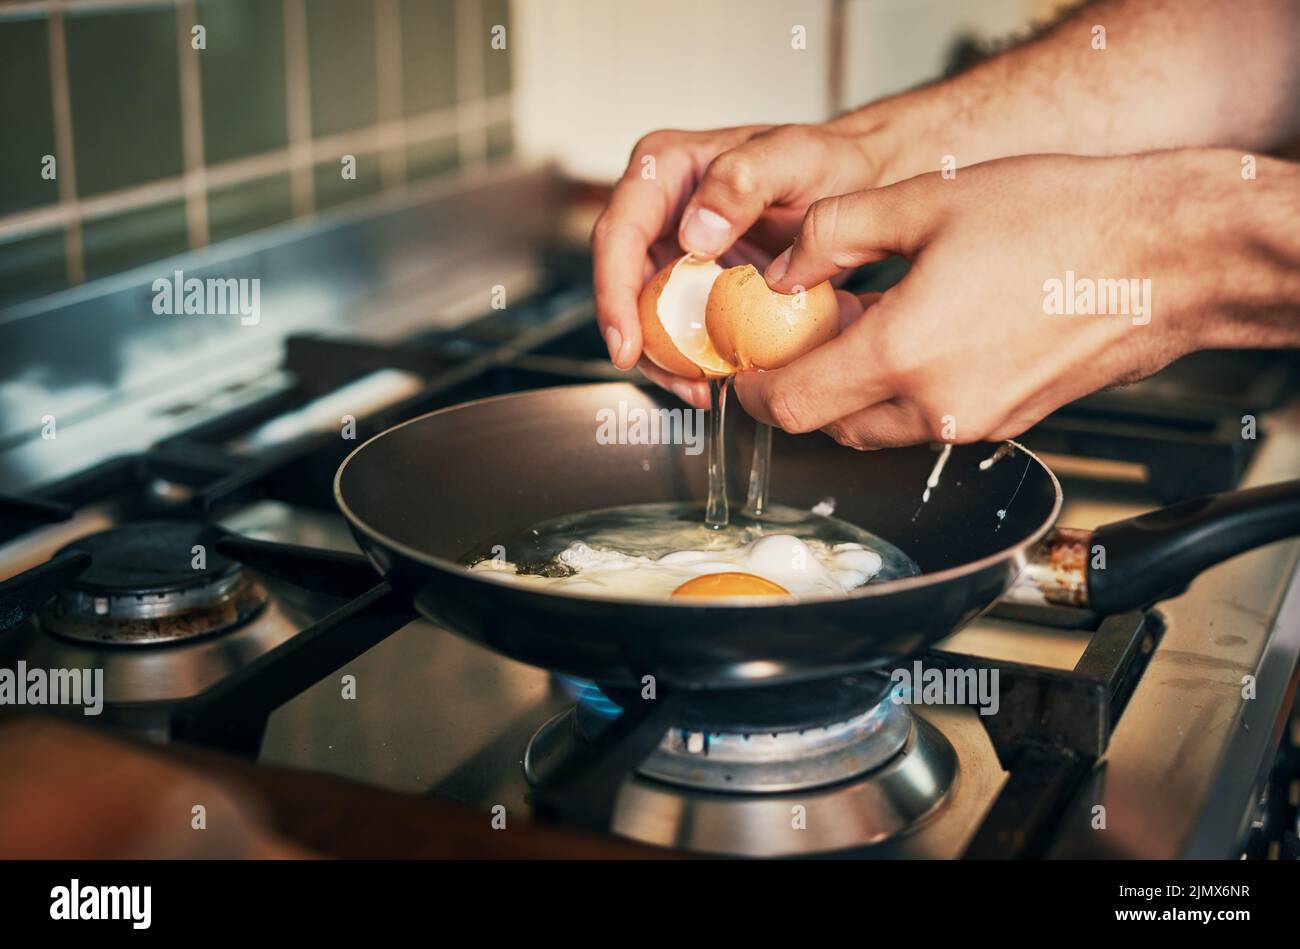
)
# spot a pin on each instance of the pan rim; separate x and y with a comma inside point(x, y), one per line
point(868, 590)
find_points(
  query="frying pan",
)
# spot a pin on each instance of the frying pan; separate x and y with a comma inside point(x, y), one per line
point(420, 496)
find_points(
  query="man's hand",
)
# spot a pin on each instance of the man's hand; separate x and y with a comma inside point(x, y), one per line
point(973, 343)
point(738, 194)
point(1142, 83)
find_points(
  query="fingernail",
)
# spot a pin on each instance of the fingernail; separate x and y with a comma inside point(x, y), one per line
point(777, 268)
point(683, 391)
point(705, 231)
point(614, 340)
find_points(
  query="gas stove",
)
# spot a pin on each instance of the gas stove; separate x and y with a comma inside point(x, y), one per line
point(784, 770)
point(207, 574)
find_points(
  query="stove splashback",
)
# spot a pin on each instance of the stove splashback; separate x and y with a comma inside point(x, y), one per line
point(80, 356)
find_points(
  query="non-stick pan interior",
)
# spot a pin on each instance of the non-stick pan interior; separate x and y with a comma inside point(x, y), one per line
point(464, 478)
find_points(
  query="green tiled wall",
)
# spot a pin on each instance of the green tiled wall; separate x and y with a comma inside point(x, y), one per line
point(341, 51)
point(500, 140)
point(25, 104)
point(243, 66)
point(428, 55)
point(249, 206)
point(434, 157)
point(497, 61)
point(333, 189)
point(123, 91)
point(33, 265)
point(124, 85)
point(131, 238)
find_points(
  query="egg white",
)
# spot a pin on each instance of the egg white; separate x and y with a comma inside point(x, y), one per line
point(805, 568)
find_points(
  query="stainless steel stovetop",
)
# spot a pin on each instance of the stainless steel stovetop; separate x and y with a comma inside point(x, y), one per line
point(435, 714)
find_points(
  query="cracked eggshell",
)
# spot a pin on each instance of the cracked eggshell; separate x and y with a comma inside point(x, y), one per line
point(673, 331)
point(754, 327)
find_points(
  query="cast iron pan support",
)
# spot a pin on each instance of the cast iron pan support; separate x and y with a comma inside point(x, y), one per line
point(232, 715)
point(584, 789)
point(22, 595)
point(1052, 727)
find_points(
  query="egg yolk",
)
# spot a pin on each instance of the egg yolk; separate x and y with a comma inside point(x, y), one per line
point(730, 584)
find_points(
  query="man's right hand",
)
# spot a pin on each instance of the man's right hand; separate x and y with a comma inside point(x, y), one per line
point(737, 194)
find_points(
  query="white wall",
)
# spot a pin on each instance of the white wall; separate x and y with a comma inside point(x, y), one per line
point(592, 76)
point(897, 44)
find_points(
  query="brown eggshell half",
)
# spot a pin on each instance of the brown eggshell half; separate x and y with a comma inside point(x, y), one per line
point(754, 327)
point(658, 345)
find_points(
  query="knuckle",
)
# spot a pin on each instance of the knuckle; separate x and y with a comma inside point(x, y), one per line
point(651, 142)
point(792, 135)
point(847, 436)
point(977, 418)
point(954, 418)
point(735, 171)
point(935, 427)
point(607, 228)
point(819, 224)
point(600, 232)
point(1011, 428)
point(941, 415)
point(895, 356)
point(787, 411)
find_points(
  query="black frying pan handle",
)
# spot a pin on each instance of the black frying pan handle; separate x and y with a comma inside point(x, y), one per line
point(1155, 555)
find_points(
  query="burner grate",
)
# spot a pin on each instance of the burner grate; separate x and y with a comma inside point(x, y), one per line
point(1052, 725)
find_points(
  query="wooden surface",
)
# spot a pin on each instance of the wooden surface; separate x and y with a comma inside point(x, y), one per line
point(71, 792)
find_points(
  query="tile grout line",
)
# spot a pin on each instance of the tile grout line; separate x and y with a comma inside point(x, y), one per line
point(388, 53)
point(470, 84)
point(191, 92)
point(837, 57)
point(298, 105)
point(25, 8)
point(427, 126)
point(74, 259)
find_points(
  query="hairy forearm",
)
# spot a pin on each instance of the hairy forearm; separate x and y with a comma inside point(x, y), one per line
point(1252, 298)
point(1173, 73)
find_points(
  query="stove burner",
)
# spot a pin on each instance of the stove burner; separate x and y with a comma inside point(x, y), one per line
point(859, 763)
point(781, 761)
point(143, 588)
point(771, 709)
point(762, 740)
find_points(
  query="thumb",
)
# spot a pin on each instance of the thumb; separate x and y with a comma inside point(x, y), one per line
point(854, 229)
point(770, 168)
